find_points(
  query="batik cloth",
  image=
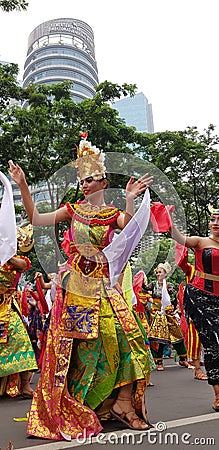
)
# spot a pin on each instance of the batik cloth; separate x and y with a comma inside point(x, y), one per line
point(16, 351)
point(201, 302)
point(164, 328)
point(203, 309)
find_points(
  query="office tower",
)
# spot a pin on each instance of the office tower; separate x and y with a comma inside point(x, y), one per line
point(59, 50)
point(137, 112)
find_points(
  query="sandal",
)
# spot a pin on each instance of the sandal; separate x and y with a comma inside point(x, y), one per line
point(142, 424)
point(160, 366)
point(199, 375)
point(184, 363)
point(215, 406)
point(129, 422)
point(138, 403)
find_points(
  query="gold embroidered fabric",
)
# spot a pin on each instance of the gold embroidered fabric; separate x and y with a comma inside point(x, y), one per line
point(164, 327)
point(16, 351)
point(94, 343)
point(91, 212)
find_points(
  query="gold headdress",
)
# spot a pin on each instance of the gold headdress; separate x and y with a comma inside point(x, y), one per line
point(213, 210)
point(25, 238)
point(90, 160)
point(166, 266)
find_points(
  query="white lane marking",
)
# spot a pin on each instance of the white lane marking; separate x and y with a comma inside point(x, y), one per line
point(190, 420)
point(177, 365)
point(170, 424)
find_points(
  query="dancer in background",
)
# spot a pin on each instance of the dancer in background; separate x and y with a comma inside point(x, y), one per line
point(49, 288)
point(201, 299)
point(95, 351)
point(141, 307)
point(17, 359)
point(164, 328)
point(35, 321)
point(191, 336)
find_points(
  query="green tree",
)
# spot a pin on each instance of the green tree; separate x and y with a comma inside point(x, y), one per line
point(11, 5)
point(42, 138)
point(190, 160)
point(44, 135)
point(9, 86)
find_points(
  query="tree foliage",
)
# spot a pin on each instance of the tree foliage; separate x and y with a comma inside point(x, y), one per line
point(190, 159)
point(11, 5)
point(42, 135)
point(9, 87)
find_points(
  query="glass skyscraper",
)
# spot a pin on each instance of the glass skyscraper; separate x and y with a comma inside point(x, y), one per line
point(59, 50)
point(137, 112)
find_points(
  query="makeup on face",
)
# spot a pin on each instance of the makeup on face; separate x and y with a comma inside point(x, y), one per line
point(87, 180)
point(214, 219)
point(160, 272)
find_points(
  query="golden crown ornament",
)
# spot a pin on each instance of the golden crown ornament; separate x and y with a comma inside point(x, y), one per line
point(90, 160)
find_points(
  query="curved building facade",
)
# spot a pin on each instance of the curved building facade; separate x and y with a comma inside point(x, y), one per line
point(60, 50)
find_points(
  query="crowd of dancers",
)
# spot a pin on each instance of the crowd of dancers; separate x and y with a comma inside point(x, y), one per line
point(94, 334)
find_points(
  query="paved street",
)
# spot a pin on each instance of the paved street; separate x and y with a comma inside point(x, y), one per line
point(177, 402)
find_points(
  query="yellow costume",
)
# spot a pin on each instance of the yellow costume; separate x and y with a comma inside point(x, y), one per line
point(90, 319)
point(16, 351)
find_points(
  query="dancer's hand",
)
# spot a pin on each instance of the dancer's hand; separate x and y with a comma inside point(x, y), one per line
point(38, 275)
point(16, 173)
point(137, 187)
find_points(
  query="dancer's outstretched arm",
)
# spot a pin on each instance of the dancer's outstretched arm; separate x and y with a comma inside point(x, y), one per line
point(36, 218)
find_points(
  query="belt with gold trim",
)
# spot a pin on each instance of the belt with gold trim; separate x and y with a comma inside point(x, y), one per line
point(206, 276)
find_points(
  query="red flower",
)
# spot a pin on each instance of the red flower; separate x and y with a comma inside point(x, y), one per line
point(84, 134)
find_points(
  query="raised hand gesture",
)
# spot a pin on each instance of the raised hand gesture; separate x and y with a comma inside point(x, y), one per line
point(16, 173)
point(135, 188)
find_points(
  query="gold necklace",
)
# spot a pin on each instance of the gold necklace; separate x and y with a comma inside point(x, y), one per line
point(96, 207)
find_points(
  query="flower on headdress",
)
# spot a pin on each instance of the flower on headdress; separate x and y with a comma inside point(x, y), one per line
point(166, 266)
point(84, 134)
point(90, 160)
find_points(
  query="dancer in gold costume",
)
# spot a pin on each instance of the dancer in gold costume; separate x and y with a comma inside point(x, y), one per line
point(17, 358)
point(164, 328)
point(95, 358)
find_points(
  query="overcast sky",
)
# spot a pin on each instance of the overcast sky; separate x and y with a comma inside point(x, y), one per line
point(169, 48)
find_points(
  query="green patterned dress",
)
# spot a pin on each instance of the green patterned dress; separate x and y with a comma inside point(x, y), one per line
point(16, 351)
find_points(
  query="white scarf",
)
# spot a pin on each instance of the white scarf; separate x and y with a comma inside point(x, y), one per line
point(120, 249)
point(165, 298)
point(8, 235)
